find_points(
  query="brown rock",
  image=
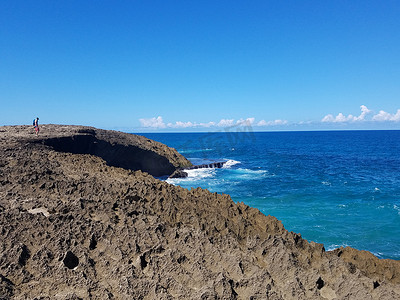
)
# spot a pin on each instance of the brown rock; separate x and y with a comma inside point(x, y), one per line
point(74, 227)
point(179, 174)
point(118, 149)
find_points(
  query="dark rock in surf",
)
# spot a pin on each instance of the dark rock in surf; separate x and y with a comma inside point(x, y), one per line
point(214, 165)
point(182, 174)
point(179, 174)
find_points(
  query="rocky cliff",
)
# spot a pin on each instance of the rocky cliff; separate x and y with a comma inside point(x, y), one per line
point(78, 223)
point(117, 149)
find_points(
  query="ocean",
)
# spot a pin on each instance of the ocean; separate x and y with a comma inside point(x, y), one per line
point(339, 188)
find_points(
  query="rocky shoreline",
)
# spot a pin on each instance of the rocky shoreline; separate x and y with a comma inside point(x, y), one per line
point(181, 172)
point(82, 218)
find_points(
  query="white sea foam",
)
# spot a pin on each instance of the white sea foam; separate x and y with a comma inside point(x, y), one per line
point(249, 171)
point(230, 163)
point(195, 150)
point(193, 175)
point(187, 151)
point(395, 207)
point(242, 173)
point(335, 246)
point(326, 183)
point(200, 173)
point(377, 254)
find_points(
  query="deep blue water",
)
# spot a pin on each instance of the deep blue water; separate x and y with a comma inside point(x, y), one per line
point(339, 188)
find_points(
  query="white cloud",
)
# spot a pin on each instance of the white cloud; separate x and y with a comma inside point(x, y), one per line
point(225, 123)
point(365, 116)
point(262, 123)
point(328, 119)
point(341, 118)
point(272, 123)
point(179, 124)
point(250, 121)
point(364, 112)
point(382, 116)
point(158, 123)
point(247, 122)
point(396, 117)
point(304, 122)
point(152, 122)
point(385, 116)
point(279, 122)
point(209, 124)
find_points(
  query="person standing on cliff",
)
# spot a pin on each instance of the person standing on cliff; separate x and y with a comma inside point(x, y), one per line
point(36, 125)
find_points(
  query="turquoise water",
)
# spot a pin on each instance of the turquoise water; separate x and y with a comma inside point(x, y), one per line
point(336, 188)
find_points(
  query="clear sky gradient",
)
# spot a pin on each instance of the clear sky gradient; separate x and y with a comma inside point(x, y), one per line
point(166, 65)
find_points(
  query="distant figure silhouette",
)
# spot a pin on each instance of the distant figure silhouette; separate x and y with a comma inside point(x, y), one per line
point(36, 125)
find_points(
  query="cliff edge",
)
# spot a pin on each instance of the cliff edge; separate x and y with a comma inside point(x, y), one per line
point(80, 224)
point(116, 148)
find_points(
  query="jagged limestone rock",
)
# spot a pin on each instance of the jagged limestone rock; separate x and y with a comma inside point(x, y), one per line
point(74, 227)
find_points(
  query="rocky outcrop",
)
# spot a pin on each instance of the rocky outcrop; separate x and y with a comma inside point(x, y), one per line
point(181, 173)
point(74, 227)
point(218, 164)
point(117, 149)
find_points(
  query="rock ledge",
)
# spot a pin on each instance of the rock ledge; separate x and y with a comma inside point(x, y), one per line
point(74, 227)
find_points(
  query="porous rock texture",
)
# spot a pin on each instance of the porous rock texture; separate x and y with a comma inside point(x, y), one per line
point(74, 227)
point(118, 149)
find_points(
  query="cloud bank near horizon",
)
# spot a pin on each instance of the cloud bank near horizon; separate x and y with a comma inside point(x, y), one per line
point(366, 115)
point(382, 116)
point(158, 123)
point(340, 118)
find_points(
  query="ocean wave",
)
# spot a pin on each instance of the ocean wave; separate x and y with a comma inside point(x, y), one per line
point(335, 246)
point(200, 173)
point(230, 162)
point(195, 150)
point(249, 171)
point(344, 245)
point(187, 151)
point(248, 174)
point(395, 207)
point(193, 175)
point(377, 254)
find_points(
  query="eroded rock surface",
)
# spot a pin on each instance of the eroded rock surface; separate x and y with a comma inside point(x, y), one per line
point(74, 227)
point(118, 149)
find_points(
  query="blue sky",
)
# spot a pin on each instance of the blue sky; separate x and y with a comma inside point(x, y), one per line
point(141, 66)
